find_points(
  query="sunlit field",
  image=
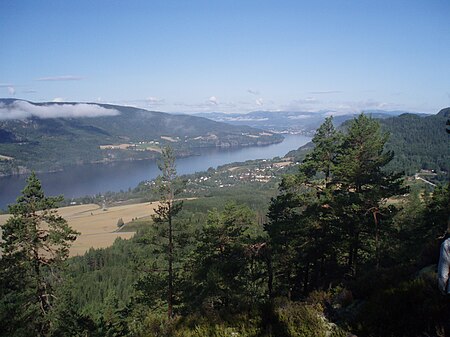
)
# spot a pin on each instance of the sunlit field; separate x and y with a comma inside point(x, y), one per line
point(98, 226)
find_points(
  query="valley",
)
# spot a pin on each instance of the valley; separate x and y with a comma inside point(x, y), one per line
point(94, 179)
point(47, 144)
point(224, 168)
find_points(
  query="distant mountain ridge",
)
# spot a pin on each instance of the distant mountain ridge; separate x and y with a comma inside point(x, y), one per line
point(38, 141)
point(290, 121)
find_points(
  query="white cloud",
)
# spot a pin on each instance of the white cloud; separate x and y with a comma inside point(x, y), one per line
point(307, 100)
point(326, 92)
point(58, 99)
point(23, 109)
point(29, 91)
point(213, 100)
point(358, 106)
point(11, 91)
point(300, 117)
point(6, 85)
point(60, 78)
point(349, 107)
point(259, 102)
point(154, 100)
point(303, 104)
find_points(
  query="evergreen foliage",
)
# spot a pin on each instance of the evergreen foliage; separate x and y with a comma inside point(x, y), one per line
point(419, 142)
point(329, 219)
point(167, 239)
point(35, 243)
point(226, 271)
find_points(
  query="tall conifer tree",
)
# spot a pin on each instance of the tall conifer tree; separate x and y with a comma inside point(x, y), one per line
point(364, 187)
point(301, 217)
point(167, 237)
point(35, 243)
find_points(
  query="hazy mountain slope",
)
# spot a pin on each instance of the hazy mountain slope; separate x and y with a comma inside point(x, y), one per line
point(35, 142)
point(292, 121)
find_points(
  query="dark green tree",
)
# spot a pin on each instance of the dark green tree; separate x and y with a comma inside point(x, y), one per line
point(436, 218)
point(120, 223)
point(363, 188)
point(322, 158)
point(65, 316)
point(301, 218)
point(35, 243)
point(226, 269)
point(166, 238)
point(333, 209)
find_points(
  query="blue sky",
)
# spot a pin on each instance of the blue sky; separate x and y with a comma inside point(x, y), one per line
point(229, 55)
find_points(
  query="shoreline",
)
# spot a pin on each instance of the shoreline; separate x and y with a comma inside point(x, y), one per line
point(24, 171)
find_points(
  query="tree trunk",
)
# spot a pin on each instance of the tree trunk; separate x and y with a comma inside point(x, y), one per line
point(377, 248)
point(170, 290)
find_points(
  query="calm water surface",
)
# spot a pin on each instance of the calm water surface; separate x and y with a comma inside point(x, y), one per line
point(98, 178)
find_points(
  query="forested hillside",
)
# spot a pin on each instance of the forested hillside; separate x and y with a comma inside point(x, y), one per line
point(347, 247)
point(38, 135)
point(419, 142)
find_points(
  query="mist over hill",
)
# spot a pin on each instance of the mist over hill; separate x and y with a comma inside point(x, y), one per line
point(49, 136)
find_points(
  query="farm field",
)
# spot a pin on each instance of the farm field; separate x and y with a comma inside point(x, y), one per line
point(97, 226)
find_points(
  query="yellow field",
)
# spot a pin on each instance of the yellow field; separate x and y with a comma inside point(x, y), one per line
point(282, 164)
point(97, 227)
point(170, 139)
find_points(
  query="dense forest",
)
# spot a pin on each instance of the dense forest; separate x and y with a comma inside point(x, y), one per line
point(419, 142)
point(347, 246)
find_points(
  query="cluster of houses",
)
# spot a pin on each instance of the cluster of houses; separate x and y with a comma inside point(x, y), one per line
point(264, 172)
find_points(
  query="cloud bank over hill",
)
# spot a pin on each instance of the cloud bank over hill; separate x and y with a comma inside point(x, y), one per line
point(23, 110)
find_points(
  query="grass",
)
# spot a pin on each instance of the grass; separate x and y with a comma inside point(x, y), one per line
point(135, 225)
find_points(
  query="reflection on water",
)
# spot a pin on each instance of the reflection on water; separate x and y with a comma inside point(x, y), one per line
point(98, 178)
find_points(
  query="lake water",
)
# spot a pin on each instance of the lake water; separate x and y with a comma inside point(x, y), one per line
point(92, 179)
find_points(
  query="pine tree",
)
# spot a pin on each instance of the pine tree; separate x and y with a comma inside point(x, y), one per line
point(167, 237)
point(301, 218)
point(226, 270)
point(35, 243)
point(364, 187)
point(333, 209)
point(322, 158)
